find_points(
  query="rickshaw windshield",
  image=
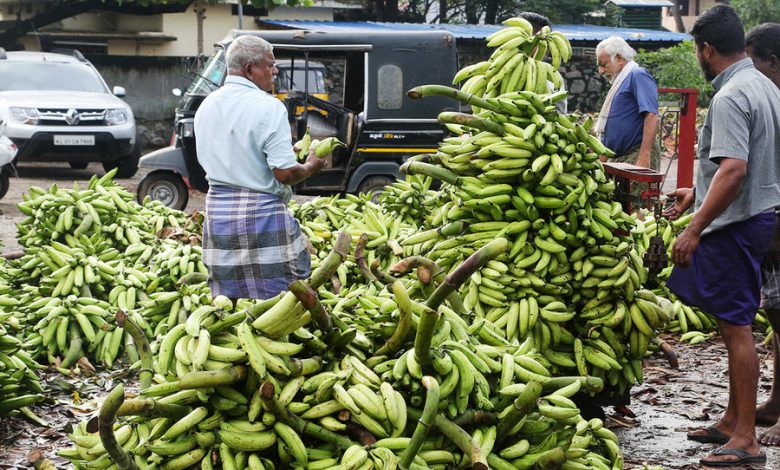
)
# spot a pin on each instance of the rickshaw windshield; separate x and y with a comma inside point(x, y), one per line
point(210, 76)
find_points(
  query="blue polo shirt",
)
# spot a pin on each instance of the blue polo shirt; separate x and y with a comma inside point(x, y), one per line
point(637, 95)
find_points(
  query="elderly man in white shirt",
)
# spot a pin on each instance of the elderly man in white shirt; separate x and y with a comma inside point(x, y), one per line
point(252, 245)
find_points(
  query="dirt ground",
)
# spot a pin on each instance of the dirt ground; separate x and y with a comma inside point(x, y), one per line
point(670, 401)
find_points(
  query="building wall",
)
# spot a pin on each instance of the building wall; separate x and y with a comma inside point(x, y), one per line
point(667, 20)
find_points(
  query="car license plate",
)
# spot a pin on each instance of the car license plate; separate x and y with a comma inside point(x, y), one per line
point(74, 140)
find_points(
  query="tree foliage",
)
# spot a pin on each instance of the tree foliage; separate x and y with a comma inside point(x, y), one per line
point(754, 12)
point(676, 67)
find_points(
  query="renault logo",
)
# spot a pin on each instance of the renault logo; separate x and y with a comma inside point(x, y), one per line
point(72, 117)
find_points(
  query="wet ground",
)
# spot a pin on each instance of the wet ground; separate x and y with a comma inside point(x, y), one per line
point(672, 401)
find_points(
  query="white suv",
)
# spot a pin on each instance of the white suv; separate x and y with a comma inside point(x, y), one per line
point(59, 109)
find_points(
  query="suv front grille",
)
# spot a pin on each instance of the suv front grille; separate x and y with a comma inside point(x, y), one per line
point(60, 117)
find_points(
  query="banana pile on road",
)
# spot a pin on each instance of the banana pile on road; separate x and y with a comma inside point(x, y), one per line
point(230, 391)
point(89, 252)
point(19, 383)
point(517, 62)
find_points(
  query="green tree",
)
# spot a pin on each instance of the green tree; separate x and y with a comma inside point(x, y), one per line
point(754, 12)
point(563, 11)
point(677, 67)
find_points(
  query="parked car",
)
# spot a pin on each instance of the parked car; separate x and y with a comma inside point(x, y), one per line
point(379, 124)
point(7, 155)
point(59, 109)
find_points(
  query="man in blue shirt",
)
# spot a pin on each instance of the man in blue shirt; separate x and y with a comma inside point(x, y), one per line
point(252, 245)
point(628, 120)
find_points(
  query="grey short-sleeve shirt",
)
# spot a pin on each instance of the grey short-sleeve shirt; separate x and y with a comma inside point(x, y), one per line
point(743, 122)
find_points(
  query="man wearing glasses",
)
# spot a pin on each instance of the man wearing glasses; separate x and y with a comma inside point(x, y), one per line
point(252, 245)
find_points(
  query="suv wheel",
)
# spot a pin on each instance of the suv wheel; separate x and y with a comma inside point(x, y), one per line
point(4, 183)
point(374, 185)
point(128, 166)
point(164, 186)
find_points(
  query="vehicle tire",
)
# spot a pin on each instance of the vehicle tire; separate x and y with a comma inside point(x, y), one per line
point(4, 183)
point(164, 186)
point(374, 185)
point(79, 165)
point(128, 166)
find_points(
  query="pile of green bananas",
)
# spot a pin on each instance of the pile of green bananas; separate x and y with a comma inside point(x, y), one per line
point(89, 252)
point(19, 384)
point(293, 382)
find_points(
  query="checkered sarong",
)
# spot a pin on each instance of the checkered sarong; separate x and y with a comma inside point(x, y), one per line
point(252, 245)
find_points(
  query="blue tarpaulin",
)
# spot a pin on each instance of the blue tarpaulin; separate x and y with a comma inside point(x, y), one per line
point(578, 32)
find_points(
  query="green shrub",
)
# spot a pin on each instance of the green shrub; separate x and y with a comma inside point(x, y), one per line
point(677, 67)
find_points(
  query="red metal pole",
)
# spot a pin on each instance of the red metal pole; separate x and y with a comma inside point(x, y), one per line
point(687, 138)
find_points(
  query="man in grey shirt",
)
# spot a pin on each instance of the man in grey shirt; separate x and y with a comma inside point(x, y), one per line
point(719, 254)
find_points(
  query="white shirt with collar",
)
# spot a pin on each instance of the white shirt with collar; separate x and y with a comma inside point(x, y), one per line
point(242, 135)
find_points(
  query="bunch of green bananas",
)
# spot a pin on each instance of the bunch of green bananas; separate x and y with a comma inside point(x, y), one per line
point(410, 198)
point(19, 384)
point(518, 62)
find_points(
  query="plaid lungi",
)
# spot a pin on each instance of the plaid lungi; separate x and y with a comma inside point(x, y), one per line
point(252, 245)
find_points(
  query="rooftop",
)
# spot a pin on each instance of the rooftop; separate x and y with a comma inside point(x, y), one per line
point(579, 32)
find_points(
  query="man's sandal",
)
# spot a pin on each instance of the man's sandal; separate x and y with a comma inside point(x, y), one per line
point(712, 436)
point(743, 458)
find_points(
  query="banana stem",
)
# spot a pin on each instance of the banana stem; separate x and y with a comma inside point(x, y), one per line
point(459, 437)
point(142, 345)
point(469, 120)
point(74, 352)
point(436, 272)
point(474, 262)
point(152, 409)
point(441, 90)
point(360, 257)
point(308, 298)
point(331, 262)
point(426, 326)
point(424, 423)
point(380, 275)
point(300, 425)
point(426, 169)
point(521, 407)
point(404, 324)
point(212, 378)
point(106, 429)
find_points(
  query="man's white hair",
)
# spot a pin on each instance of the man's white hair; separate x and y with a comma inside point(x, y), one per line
point(246, 50)
point(616, 46)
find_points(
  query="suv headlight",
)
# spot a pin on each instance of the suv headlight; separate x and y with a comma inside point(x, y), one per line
point(24, 115)
point(115, 117)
